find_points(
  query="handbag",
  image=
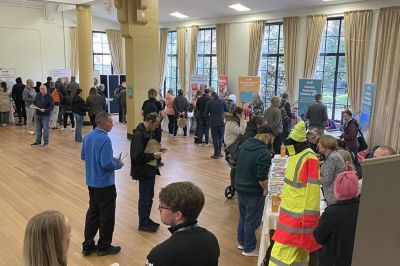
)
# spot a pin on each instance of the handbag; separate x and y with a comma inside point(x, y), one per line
point(361, 141)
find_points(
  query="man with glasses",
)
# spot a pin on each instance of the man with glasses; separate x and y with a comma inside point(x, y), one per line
point(190, 244)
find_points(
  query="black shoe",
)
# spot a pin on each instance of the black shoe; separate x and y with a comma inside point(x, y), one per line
point(160, 164)
point(35, 143)
point(89, 250)
point(152, 223)
point(112, 250)
point(148, 228)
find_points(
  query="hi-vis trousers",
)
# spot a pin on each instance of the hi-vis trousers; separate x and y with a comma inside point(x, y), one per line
point(285, 255)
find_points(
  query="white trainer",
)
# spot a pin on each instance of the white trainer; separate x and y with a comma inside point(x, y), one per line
point(253, 253)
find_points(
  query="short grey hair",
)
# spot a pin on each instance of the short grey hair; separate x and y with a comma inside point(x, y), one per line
point(101, 118)
point(275, 99)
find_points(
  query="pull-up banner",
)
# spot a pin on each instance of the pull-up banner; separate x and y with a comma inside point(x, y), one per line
point(308, 88)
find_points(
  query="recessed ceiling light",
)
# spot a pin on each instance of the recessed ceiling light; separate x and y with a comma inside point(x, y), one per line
point(178, 15)
point(328, 0)
point(239, 7)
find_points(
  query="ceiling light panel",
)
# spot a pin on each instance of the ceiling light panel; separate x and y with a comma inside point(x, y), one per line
point(178, 15)
point(239, 7)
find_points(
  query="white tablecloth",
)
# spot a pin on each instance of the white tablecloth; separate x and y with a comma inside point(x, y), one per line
point(269, 222)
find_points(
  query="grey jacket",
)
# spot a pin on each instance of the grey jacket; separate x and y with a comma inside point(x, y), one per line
point(29, 96)
point(332, 166)
point(273, 116)
point(181, 105)
point(72, 86)
point(317, 115)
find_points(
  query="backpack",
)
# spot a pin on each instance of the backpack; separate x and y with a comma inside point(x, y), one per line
point(231, 152)
point(55, 96)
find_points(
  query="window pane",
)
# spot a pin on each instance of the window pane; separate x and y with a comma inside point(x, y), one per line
point(214, 62)
point(273, 47)
point(106, 59)
point(281, 47)
point(333, 28)
point(330, 63)
point(342, 45)
point(207, 48)
point(97, 59)
point(97, 48)
point(272, 64)
point(200, 48)
point(331, 45)
point(342, 64)
point(97, 37)
point(207, 62)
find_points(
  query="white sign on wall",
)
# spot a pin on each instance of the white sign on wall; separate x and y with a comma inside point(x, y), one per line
point(7, 73)
point(60, 73)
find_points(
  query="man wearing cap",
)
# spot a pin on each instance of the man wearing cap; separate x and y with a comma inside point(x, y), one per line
point(254, 160)
point(299, 212)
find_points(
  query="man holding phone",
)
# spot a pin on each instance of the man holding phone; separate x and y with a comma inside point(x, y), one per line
point(144, 170)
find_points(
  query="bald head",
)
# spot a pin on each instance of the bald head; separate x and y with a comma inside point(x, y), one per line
point(384, 151)
point(43, 90)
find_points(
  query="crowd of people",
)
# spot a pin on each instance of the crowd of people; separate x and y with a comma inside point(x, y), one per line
point(316, 162)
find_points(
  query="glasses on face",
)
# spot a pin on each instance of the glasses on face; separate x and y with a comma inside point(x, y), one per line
point(165, 208)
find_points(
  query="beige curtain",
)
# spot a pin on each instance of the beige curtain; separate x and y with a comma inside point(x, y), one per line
point(181, 53)
point(222, 48)
point(290, 33)
point(315, 27)
point(163, 54)
point(115, 43)
point(358, 34)
point(74, 51)
point(256, 42)
point(386, 77)
point(194, 30)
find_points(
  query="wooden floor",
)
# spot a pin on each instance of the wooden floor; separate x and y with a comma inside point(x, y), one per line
point(33, 179)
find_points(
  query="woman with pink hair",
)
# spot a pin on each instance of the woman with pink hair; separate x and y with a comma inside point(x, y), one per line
point(337, 226)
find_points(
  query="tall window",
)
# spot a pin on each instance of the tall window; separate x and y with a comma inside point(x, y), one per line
point(171, 74)
point(272, 66)
point(331, 68)
point(101, 53)
point(207, 55)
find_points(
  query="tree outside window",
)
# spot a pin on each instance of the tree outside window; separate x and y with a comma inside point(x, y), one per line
point(272, 65)
point(207, 55)
point(331, 68)
point(101, 53)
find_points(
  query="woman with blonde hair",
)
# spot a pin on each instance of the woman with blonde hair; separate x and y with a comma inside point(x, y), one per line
point(46, 241)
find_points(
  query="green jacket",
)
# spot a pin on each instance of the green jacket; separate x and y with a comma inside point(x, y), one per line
point(254, 161)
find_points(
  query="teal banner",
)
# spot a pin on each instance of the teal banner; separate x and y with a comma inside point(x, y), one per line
point(367, 107)
point(307, 90)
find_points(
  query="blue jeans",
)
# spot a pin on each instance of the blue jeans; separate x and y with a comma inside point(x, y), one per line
point(78, 127)
point(217, 134)
point(204, 126)
point(251, 212)
point(146, 194)
point(42, 122)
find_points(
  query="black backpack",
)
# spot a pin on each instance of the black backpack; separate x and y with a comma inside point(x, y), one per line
point(231, 152)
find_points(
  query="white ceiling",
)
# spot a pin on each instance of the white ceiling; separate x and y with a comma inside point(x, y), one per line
point(195, 9)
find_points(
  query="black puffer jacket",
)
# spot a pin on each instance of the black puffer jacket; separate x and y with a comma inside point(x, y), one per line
point(140, 170)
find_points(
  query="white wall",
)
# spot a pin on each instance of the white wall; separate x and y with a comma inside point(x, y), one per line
point(239, 33)
point(33, 47)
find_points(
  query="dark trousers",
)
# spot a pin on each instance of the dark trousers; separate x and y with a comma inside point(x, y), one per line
point(158, 133)
point(71, 118)
point(120, 115)
point(93, 120)
point(171, 124)
point(217, 134)
point(146, 195)
point(277, 143)
point(204, 126)
point(100, 217)
point(21, 110)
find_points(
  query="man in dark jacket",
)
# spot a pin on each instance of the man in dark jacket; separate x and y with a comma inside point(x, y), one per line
point(17, 96)
point(45, 106)
point(317, 115)
point(181, 107)
point(251, 184)
point(287, 117)
point(144, 169)
point(190, 244)
point(215, 109)
point(204, 120)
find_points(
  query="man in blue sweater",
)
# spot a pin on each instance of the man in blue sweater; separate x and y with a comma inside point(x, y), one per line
point(100, 165)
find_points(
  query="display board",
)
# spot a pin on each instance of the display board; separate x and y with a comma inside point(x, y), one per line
point(367, 107)
point(7, 73)
point(308, 88)
point(377, 234)
point(196, 83)
point(60, 73)
point(247, 86)
point(223, 90)
point(111, 82)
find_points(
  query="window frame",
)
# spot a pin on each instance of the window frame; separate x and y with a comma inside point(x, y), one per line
point(102, 54)
point(277, 56)
point(173, 56)
point(208, 56)
point(337, 55)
